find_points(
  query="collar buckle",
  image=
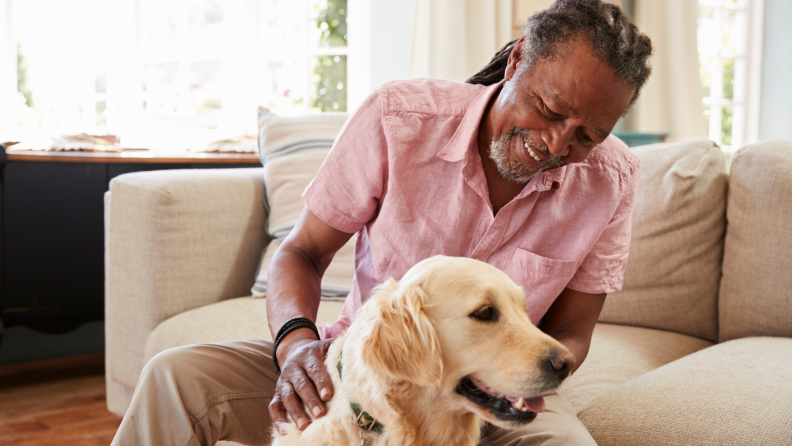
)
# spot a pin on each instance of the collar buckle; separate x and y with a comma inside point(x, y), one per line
point(363, 418)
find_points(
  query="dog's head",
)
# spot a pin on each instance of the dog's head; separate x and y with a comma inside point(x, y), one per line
point(461, 325)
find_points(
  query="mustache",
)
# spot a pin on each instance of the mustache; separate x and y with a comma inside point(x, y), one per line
point(537, 145)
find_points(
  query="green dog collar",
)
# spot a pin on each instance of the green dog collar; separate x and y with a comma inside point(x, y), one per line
point(364, 419)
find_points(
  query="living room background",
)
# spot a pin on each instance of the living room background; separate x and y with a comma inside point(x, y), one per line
point(180, 73)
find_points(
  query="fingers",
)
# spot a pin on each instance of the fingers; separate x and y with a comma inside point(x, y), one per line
point(278, 413)
point(317, 372)
point(304, 382)
point(293, 405)
point(306, 390)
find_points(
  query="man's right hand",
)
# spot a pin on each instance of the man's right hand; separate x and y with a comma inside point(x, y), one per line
point(304, 380)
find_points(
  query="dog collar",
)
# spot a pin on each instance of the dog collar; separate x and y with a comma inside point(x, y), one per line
point(363, 418)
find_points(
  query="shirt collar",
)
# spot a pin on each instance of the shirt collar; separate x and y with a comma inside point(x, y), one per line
point(549, 177)
point(463, 145)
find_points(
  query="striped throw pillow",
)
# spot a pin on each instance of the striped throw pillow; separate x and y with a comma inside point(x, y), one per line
point(291, 150)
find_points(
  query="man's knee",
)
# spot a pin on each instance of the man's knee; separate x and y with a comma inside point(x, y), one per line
point(575, 434)
point(174, 363)
point(224, 367)
point(562, 435)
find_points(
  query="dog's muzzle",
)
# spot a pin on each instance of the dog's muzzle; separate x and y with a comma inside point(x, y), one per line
point(501, 407)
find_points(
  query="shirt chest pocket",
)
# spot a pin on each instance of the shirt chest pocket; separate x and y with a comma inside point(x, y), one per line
point(542, 278)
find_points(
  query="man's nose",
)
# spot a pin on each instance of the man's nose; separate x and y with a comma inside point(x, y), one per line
point(559, 139)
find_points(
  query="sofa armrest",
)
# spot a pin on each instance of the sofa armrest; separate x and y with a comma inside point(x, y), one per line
point(175, 240)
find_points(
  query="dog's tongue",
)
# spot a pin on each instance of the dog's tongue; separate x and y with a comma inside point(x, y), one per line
point(535, 404)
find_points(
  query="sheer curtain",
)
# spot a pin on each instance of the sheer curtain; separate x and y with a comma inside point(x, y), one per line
point(454, 39)
point(671, 100)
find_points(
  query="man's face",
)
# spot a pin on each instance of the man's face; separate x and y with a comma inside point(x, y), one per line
point(555, 113)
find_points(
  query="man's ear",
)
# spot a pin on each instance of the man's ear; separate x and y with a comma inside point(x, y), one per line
point(515, 59)
point(403, 344)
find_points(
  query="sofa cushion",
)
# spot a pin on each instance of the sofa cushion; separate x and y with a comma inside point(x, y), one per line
point(734, 393)
point(674, 264)
point(230, 320)
point(755, 296)
point(291, 150)
point(620, 353)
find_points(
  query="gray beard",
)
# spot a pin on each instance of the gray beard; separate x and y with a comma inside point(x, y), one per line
point(512, 168)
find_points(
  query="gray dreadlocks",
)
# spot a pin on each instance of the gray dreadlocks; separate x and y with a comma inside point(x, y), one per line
point(613, 38)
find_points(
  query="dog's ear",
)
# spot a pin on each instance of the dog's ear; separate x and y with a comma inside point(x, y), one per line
point(403, 344)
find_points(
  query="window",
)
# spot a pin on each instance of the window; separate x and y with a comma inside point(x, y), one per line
point(173, 74)
point(724, 39)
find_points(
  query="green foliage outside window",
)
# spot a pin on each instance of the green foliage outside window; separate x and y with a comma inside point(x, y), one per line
point(332, 22)
point(22, 77)
point(728, 93)
point(330, 71)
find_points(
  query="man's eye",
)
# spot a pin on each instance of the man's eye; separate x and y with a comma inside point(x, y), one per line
point(485, 313)
point(549, 112)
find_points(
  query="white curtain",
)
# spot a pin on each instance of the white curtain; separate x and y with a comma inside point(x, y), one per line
point(454, 39)
point(670, 101)
point(8, 72)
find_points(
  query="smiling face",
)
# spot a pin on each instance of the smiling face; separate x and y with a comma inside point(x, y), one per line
point(554, 113)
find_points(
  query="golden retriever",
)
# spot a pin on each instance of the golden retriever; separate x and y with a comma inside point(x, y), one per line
point(432, 356)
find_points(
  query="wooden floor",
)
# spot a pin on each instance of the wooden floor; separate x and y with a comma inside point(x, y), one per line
point(59, 402)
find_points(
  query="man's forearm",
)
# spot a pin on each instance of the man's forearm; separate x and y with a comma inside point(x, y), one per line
point(293, 289)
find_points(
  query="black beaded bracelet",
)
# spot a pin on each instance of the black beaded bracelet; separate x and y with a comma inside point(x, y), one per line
point(288, 327)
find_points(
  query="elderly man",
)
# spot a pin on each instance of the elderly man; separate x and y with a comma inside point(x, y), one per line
point(521, 174)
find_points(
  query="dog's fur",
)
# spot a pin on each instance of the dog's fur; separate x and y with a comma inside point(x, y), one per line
point(411, 345)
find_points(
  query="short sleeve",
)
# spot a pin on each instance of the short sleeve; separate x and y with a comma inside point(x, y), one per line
point(346, 191)
point(602, 270)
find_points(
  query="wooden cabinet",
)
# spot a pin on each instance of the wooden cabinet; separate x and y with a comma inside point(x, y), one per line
point(52, 231)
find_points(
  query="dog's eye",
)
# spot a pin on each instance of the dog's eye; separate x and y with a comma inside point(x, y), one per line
point(485, 313)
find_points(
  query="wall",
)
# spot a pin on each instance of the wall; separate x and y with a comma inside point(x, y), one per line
point(383, 41)
point(391, 40)
point(775, 116)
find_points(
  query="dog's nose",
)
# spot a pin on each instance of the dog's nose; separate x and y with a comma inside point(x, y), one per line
point(561, 362)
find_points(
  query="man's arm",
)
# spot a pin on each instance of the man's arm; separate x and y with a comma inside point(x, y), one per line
point(295, 274)
point(294, 290)
point(571, 319)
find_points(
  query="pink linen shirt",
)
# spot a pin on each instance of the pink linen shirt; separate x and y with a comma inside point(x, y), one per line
point(405, 174)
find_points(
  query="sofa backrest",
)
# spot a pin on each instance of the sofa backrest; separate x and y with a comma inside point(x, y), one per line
point(756, 289)
point(674, 264)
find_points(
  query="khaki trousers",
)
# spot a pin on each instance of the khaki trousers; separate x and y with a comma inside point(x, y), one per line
point(204, 393)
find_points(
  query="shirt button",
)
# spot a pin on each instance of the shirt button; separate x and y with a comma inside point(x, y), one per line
point(478, 158)
point(467, 171)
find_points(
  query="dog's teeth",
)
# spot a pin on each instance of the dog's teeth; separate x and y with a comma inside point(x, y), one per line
point(519, 404)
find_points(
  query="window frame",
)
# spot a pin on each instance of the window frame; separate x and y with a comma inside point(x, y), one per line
point(747, 73)
point(124, 96)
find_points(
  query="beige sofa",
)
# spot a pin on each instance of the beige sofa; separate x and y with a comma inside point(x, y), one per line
point(695, 349)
